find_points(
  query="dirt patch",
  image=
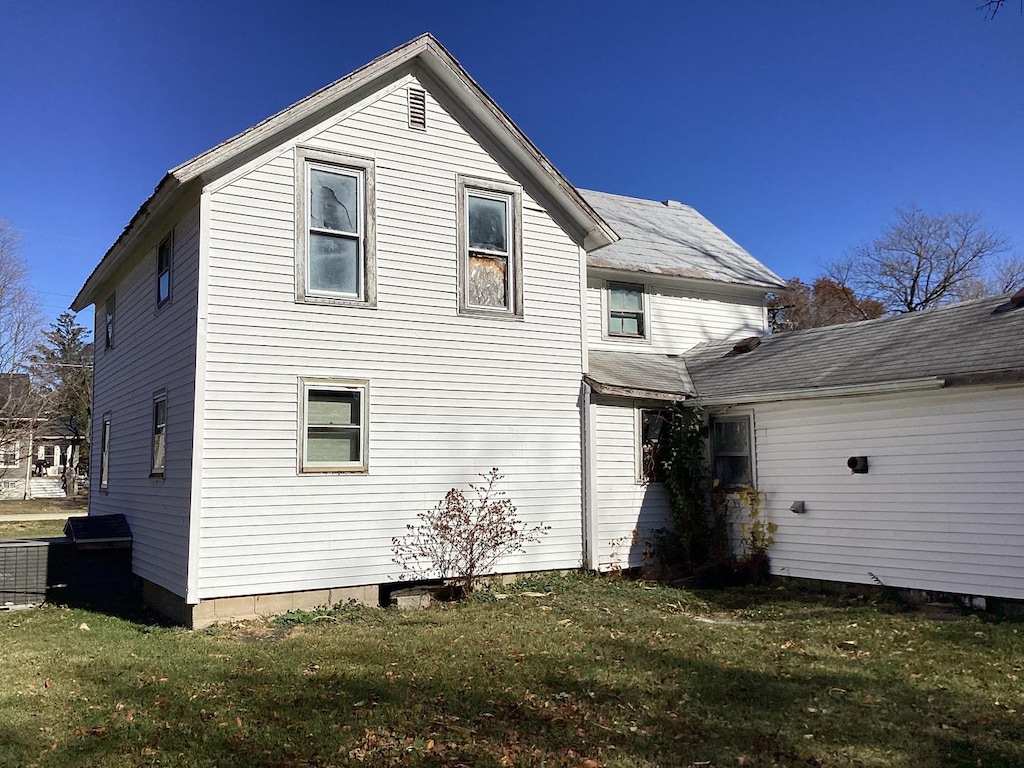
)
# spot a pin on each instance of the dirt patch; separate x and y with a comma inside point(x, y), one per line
point(251, 631)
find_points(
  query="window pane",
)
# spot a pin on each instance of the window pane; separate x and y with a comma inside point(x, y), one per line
point(333, 407)
point(158, 452)
point(488, 285)
point(733, 470)
point(732, 436)
point(334, 201)
point(333, 264)
point(488, 224)
point(628, 298)
point(164, 286)
point(337, 445)
point(627, 326)
point(164, 256)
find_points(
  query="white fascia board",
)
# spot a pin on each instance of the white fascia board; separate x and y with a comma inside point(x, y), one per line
point(851, 390)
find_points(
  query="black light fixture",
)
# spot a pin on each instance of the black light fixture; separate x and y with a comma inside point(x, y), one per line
point(858, 464)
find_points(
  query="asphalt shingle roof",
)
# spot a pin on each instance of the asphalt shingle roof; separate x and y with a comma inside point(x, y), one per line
point(672, 239)
point(642, 372)
point(976, 337)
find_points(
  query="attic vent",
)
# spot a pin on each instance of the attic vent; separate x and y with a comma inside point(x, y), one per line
point(417, 109)
point(1017, 300)
point(673, 204)
point(743, 346)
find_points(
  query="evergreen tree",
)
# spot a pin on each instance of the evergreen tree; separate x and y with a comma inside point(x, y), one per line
point(62, 369)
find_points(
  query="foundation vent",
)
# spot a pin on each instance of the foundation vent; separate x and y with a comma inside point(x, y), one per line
point(418, 109)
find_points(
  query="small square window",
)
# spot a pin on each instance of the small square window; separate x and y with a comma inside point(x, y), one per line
point(652, 431)
point(626, 310)
point(732, 452)
point(164, 257)
point(108, 322)
point(334, 425)
point(159, 451)
point(335, 240)
point(490, 248)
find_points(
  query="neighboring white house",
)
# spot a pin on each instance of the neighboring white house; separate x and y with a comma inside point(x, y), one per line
point(889, 450)
point(308, 334)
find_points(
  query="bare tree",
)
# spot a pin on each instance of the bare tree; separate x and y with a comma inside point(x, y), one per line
point(991, 7)
point(924, 260)
point(824, 302)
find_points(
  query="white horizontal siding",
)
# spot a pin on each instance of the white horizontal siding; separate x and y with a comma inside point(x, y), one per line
point(450, 396)
point(153, 349)
point(940, 508)
point(626, 512)
point(677, 318)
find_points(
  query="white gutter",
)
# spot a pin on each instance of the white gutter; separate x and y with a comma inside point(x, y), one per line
point(849, 390)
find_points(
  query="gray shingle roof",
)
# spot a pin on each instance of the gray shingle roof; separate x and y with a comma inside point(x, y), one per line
point(975, 337)
point(672, 239)
point(639, 374)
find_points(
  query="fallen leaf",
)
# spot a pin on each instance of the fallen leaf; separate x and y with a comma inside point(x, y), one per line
point(84, 627)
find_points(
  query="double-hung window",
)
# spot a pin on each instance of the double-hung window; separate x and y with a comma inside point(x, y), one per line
point(334, 425)
point(164, 257)
point(490, 247)
point(653, 430)
point(159, 449)
point(626, 310)
point(335, 260)
point(732, 451)
point(105, 453)
point(108, 322)
point(10, 455)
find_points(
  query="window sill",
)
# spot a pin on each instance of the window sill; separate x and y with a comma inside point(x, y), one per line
point(335, 471)
point(494, 314)
point(156, 475)
point(331, 301)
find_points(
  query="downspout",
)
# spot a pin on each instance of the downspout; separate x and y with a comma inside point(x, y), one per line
point(589, 488)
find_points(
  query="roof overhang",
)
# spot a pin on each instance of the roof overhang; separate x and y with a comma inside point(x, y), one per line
point(427, 57)
point(812, 393)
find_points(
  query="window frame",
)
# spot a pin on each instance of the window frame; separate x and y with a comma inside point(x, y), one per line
point(512, 195)
point(16, 451)
point(105, 452)
point(317, 384)
point(307, 159)
point(168, 269)
point(642, 477)
point(644, 313)
point(109, 308)
point(749, 454)
point(159, 432)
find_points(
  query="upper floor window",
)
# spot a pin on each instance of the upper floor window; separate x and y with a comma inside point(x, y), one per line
point(159, 451)
point(490, 247)
point(732, 451)
point(10, 455)
point(334, 420)
point(335, 260)
point(108, 322)
point(626, 316)
point(105, 453)
point(164, 257)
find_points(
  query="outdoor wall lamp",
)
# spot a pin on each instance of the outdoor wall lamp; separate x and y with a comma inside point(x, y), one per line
point(858, 464)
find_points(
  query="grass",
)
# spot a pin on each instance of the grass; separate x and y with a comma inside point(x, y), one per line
point(573, 671)
point(43, 506)
point(31, 529)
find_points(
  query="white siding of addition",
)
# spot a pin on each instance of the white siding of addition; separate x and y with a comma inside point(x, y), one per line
point(939, 509)
point(154, 349)
point(678, 317)
point(450, 396)
point(626, 511)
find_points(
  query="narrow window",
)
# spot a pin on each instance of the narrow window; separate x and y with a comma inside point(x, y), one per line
point(164, 256)
point(159, 434)
point(334, 229)
point(626, 310)
point(490, 248)
point(105, 453)
point(108, 321)
point(334, 425)
point(652, 429)
point(731, 451)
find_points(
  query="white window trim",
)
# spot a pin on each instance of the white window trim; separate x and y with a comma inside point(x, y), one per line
point(606, 313)
point(362, 386)
point(513, 196)
point(17, 457)
point(105, 452)
point(334, 162)
point(169, 242)
point(154, 470)
point(747, 416)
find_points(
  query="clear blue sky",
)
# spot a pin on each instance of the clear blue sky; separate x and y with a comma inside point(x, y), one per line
point(796, 126)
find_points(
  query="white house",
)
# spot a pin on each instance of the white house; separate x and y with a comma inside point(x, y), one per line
point(309, 333)
point(889, 450)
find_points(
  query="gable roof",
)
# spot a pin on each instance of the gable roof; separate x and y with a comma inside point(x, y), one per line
point(430, 59)
point(969, 343)
point(672, 239)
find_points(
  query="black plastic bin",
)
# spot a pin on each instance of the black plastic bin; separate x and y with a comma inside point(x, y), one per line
point(101, 559)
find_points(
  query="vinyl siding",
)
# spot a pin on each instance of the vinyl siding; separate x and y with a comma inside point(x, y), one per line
point(450, 396)
point(677, 317)
point(940, 508)
point(626, 512)
point(154, 349)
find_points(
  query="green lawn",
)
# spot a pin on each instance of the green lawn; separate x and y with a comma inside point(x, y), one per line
point(31, 529)
point(572, 671)
point(47, 506)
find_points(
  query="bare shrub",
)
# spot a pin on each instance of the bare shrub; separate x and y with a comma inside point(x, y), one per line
point(464, 537)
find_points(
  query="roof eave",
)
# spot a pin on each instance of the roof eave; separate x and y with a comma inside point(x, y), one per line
point(613, 390)
point(812, 393)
